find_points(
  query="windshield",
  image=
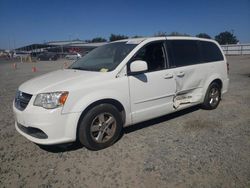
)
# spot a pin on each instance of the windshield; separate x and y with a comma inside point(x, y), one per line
point(104, 58)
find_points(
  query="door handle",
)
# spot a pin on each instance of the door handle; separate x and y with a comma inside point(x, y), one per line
point(180, 74)
point(168, 76)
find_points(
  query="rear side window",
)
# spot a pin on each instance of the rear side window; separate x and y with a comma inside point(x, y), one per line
point(210, 52)
point(184, 52)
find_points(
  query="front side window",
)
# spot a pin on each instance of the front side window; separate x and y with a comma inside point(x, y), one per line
point(105, 58)
point(184, 52)
point(153, 54)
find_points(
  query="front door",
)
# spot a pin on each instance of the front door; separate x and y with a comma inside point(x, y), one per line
point(151, 93)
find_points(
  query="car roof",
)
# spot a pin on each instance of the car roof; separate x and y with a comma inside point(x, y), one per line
point(187, 38)
point(139, 40)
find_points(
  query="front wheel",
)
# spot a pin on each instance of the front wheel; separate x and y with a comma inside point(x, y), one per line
point(100, 127)
point(213, 97)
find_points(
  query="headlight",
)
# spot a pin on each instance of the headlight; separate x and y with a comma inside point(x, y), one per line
point(51, 100)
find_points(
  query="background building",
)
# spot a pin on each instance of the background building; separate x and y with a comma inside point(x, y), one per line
point(60, 47)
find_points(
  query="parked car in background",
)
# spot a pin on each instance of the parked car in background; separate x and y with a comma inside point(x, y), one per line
point(120, 84)
point(20, 54)
point(5, 55)
point(47, 56)
point(73, 56)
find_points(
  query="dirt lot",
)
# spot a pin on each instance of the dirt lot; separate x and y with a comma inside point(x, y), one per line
point(191, 148)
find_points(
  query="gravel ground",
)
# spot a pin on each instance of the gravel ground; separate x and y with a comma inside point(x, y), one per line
point(191, 148)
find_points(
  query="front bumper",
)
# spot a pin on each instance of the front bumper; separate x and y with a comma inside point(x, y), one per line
point(56, 127)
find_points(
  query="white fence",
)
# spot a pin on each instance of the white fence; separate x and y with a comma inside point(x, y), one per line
point(236, 49)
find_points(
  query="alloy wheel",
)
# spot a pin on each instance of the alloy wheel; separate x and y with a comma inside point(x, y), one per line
point(103, 127)
point(214, 96)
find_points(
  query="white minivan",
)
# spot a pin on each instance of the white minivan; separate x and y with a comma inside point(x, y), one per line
point(117, 85)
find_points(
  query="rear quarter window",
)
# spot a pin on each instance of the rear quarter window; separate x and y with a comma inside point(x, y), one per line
point(210, 52)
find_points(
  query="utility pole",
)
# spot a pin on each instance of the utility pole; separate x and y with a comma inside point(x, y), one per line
point(14, 44)
point(9, 42)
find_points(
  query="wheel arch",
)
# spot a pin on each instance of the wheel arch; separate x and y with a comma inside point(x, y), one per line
point(218, 81)
point(214, 78)
point(208, 100)
point(113, 102)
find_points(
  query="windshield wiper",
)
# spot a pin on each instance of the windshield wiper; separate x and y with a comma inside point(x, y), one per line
point(78, 68)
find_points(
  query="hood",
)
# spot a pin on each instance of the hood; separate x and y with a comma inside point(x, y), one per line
point(60, 80)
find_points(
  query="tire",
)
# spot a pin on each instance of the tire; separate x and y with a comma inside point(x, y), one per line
point(213, 97)
point(100, 127)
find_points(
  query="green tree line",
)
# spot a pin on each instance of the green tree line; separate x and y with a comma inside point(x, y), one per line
point(225, 37)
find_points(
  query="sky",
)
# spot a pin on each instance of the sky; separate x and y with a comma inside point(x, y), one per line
point(24, 22)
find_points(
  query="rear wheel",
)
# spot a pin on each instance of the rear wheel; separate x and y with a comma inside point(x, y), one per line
point(100, 127)
point(213, 96)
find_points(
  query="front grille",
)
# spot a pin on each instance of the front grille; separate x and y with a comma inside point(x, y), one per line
point(35, 132)
point(22, 100)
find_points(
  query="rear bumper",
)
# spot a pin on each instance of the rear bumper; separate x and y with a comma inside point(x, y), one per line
point(46, 127)
point(225, 86)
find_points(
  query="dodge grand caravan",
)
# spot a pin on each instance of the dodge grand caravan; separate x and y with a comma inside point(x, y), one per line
point(117, 85)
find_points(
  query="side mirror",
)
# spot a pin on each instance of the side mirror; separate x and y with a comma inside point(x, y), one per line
point(138, 66)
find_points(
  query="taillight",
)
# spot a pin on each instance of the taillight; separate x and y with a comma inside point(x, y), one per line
point(227, 68)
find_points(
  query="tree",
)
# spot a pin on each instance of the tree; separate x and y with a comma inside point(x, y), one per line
point(98, 39)
point(226, 38)
point(203, 35)
point(178, 34)
point(114, 37)
point(136, 36)
point(160, 34)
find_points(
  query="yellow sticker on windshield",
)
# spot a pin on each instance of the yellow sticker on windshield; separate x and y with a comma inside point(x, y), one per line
point(103, 70)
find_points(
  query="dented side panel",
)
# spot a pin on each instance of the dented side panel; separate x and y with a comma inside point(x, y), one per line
point(189, 83)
